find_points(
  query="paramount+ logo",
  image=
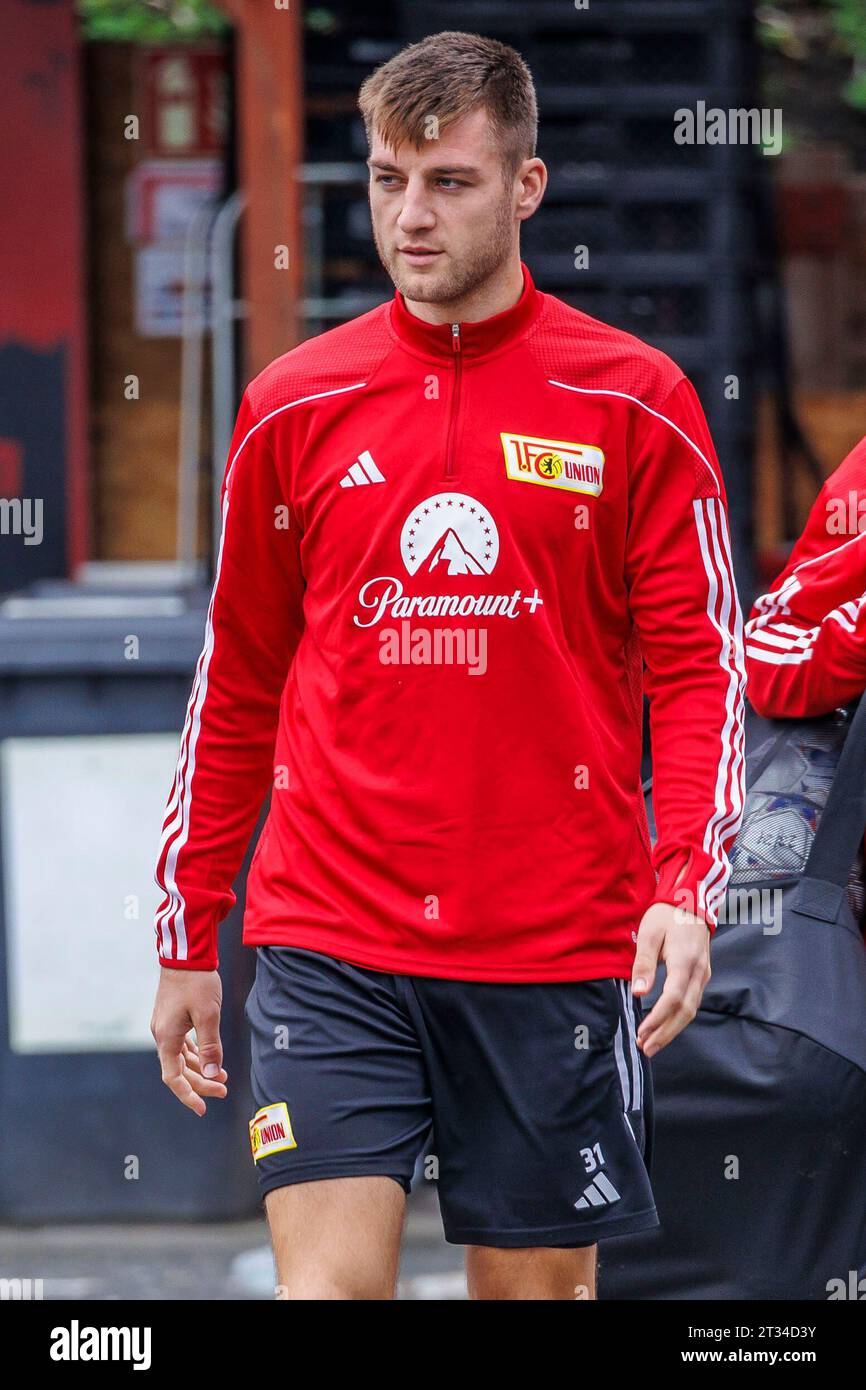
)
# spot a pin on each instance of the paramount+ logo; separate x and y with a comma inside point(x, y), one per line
point(451, 541)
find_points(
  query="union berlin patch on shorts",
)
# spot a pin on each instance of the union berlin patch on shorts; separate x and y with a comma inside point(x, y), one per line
point(271, 1130)
point(551, 463)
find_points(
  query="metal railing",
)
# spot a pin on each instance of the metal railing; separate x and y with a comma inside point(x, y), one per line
point(210, 313)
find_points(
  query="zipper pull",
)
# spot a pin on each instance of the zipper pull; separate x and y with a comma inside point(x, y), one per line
point(455, 336)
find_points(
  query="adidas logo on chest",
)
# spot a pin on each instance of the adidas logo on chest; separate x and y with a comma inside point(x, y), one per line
point(364, 470)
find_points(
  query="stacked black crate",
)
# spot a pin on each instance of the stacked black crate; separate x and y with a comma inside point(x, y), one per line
point(343, 43)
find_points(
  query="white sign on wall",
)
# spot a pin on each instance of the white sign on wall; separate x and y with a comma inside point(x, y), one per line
point(81, 825)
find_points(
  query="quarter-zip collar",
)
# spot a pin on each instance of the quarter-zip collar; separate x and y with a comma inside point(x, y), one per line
point(476, 339)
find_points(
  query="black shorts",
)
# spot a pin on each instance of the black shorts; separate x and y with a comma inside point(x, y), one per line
point(539, 1100)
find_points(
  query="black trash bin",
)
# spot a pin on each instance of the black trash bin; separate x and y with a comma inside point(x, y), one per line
point(93, 692)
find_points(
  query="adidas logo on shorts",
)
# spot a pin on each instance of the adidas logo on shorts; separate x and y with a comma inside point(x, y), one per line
point(600, 1193)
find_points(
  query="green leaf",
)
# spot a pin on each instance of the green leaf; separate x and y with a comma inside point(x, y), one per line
point(149, 21)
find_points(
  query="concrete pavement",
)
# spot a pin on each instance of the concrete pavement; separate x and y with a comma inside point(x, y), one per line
point(212, 1262)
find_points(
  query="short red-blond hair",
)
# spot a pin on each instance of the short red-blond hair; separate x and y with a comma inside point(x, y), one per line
point(446, 76)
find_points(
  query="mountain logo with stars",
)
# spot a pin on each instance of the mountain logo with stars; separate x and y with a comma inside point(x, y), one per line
point(452, 533)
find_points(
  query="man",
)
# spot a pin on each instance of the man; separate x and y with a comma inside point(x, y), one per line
point(806, 637)
point(450, 529)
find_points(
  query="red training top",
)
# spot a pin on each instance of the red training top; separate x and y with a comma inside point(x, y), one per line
point(445, 550)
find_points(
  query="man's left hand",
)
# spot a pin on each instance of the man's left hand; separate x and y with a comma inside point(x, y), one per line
point(670, 934)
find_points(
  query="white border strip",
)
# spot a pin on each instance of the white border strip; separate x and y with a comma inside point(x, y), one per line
point(598, 391)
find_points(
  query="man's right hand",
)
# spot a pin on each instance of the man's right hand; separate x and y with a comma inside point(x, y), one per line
point(185, 1000)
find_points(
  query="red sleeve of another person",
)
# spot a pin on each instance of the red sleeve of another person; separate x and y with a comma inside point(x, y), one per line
point(806, 637)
